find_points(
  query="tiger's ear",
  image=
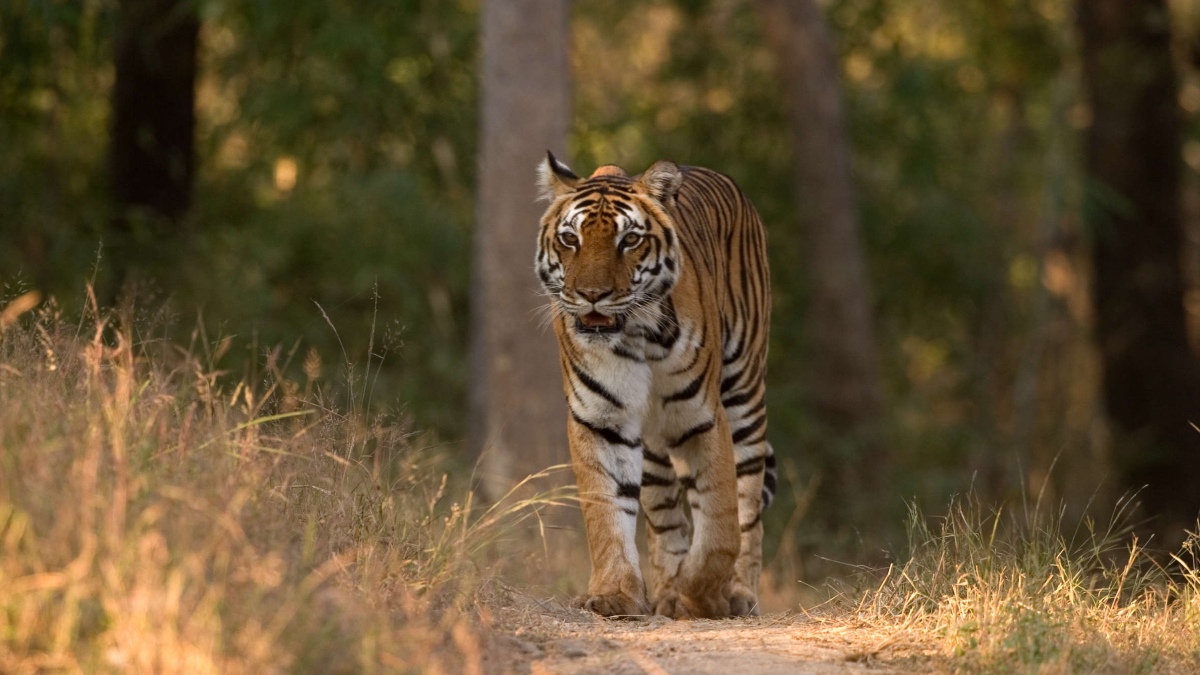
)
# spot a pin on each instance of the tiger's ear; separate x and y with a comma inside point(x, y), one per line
point(555, 179)
point(662, 181)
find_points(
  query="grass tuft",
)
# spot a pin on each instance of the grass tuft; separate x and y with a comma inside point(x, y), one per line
point(156, 517)
point(1009, 592)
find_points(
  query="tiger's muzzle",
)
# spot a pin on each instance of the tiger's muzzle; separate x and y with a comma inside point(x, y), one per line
point(598, 324)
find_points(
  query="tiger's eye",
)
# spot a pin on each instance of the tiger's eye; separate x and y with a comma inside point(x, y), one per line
point(569, 239)
point(630, 240)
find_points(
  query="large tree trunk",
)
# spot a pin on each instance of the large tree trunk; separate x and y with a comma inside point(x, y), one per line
point(1151, 377)
point(517, 411)
point(846, 385)
point(152, 151)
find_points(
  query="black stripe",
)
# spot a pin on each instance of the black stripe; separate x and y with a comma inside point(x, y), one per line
point(667, 328)
point(728, 382)
point(739, 399)
point(745, 432)
point(629, 490)
point(750, 466)
point(654, 458)
point(750, 525)
point(688, 482)
point(597, 388)
point(692, 433)
point(689, 391)
point(631, 512)
point(696, 353)
point(607, 434)
point(769, 480)
point(620, 351)
point(665, 528)
point(650, 480)
point(736, 353)
point(664, 506)
point(757, 407)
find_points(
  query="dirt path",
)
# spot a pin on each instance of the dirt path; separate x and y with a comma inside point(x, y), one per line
point(550, 638)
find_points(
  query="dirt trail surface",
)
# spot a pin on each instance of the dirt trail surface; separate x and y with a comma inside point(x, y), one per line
point(556, 639)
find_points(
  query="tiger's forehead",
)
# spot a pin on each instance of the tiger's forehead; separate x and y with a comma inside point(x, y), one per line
point(608, 199)
point(606, 186)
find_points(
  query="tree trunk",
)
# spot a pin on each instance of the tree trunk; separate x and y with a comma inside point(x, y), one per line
point(517, 412)
point(847, 388)
point(152, 151)
point(1151, 377)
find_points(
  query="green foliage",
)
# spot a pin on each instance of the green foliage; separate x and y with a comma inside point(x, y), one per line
point(336, 147)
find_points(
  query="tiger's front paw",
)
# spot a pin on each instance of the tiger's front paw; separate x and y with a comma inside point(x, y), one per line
point(670, 604)
point(674, 604)
point(619, 604)
point(742, 601)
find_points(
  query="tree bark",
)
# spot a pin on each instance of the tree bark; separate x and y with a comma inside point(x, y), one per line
point(847, 388)
point(517, 412)
point(1151, 377)
point(152, 149)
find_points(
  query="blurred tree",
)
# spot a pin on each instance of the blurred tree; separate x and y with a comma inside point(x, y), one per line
point(517, 411)
point(152, 152)
point(847, 388)
point(1151, 377)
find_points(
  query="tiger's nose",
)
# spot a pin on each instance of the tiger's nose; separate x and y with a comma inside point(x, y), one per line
point(594, 295)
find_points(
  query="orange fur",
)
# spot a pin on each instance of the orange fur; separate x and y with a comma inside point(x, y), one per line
point(661, 307)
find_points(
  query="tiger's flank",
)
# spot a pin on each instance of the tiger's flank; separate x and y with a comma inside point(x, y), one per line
point(660, 298)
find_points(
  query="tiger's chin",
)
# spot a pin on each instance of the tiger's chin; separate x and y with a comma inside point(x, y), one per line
point(595, 323)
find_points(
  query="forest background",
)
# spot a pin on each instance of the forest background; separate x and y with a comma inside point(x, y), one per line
point(1012, 185)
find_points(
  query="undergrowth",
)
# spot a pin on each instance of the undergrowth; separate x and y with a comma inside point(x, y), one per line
point(156, 516)
point(1017, 592)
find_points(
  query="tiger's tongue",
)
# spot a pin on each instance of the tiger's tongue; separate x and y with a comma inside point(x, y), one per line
point(597, 320)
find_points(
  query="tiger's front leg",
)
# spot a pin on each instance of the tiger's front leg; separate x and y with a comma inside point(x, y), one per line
point(699, 587)
point(606, 397)
point(608, 472)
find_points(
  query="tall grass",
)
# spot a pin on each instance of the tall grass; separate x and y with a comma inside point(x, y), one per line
point(157, 517)
point(1018, 592)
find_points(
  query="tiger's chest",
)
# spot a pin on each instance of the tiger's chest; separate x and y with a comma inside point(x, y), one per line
point(656, 372)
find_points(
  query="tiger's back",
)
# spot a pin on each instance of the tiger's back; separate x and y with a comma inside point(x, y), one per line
point(662, 312)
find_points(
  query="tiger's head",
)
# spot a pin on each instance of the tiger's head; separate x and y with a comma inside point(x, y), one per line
point(608, 244)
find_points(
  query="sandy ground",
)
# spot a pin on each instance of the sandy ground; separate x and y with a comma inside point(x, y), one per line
point(544, 636)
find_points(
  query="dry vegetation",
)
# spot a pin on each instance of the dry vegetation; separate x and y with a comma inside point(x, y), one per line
point(154, 520)
point(1016, 593)
point(159, 516)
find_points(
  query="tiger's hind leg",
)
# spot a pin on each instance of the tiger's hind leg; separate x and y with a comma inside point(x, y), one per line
point(667, 527)
point(755, 485)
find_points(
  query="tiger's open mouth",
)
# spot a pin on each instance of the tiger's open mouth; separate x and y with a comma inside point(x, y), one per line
point(595, 322)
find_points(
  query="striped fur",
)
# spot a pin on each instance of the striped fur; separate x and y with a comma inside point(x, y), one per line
point(660, 298)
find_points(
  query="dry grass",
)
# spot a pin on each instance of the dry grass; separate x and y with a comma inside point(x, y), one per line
point(158, 516)
point(1004, 593)
point(153, 519)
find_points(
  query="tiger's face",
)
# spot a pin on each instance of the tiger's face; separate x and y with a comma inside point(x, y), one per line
point(608, 244)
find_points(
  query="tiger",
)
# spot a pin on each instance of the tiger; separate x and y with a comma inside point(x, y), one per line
point(660, 296)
